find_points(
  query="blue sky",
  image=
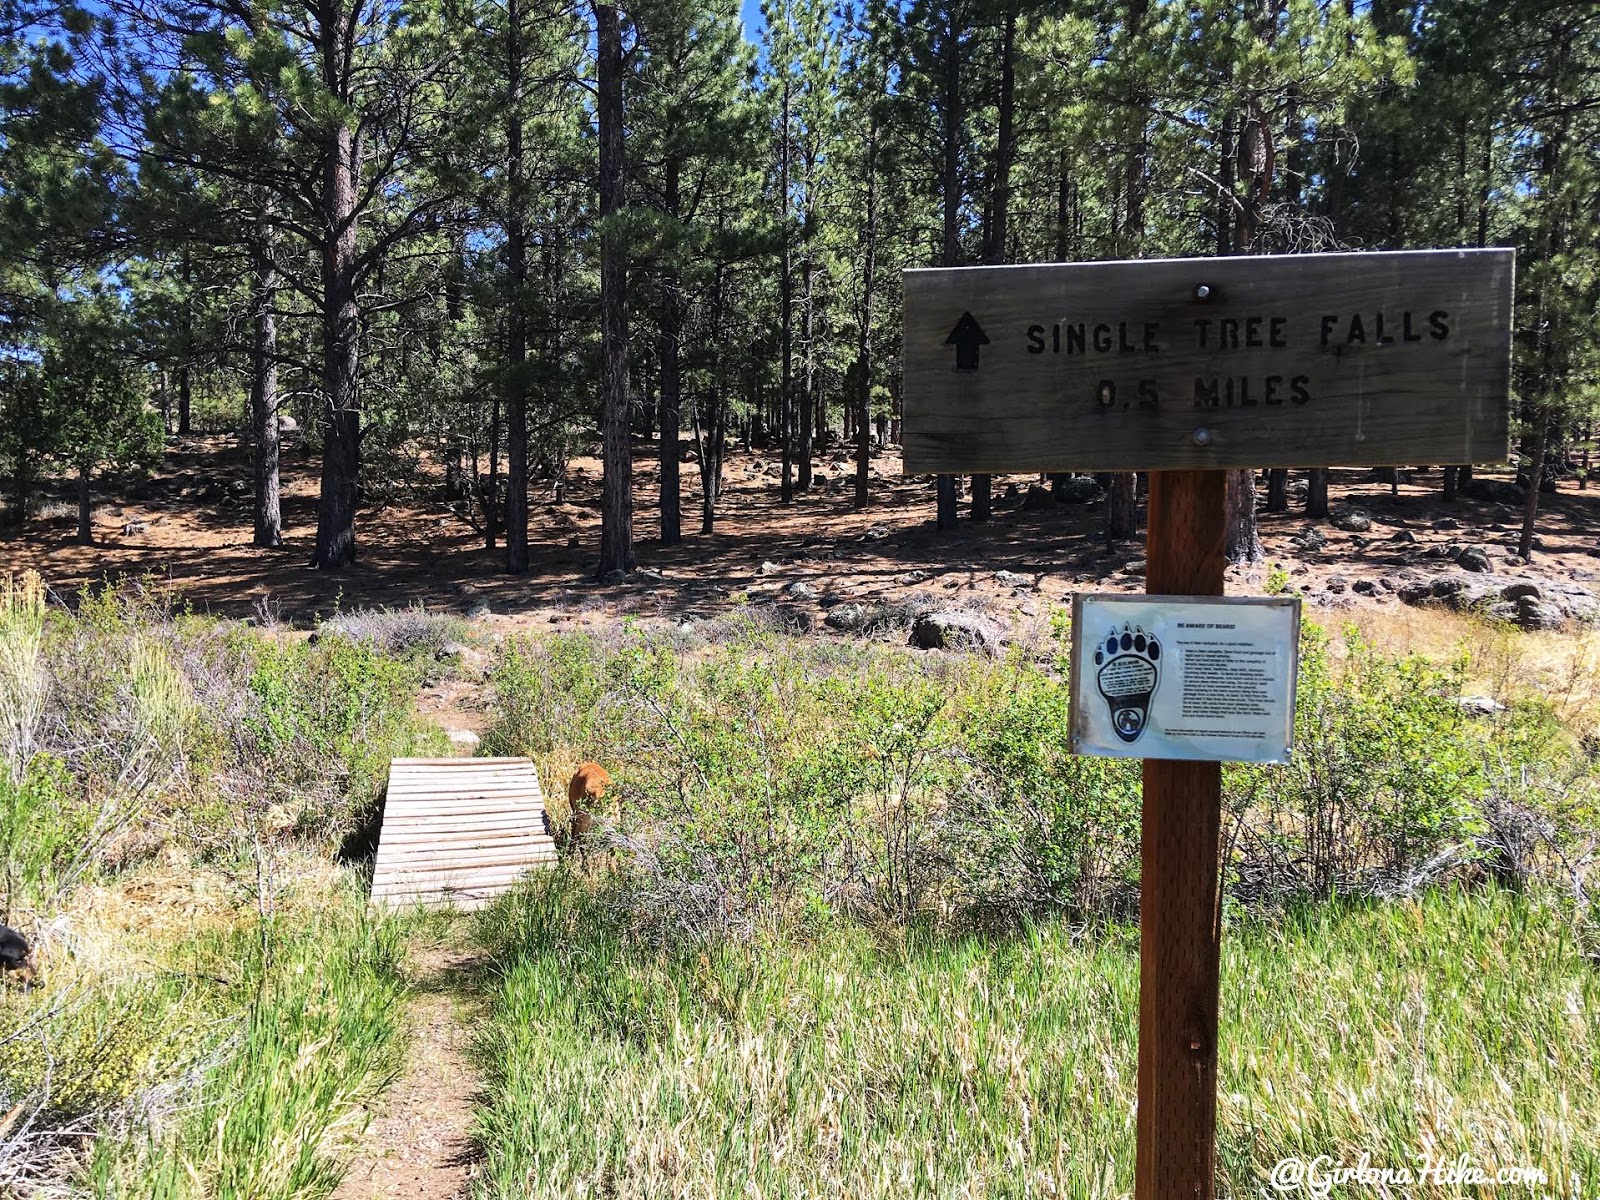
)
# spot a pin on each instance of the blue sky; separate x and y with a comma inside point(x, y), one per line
point(751, 11)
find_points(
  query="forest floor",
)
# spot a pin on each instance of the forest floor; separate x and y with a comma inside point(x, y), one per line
point(190, 525)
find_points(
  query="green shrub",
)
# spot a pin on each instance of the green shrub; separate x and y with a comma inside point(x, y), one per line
point(1384, 784)
point(1043, 829)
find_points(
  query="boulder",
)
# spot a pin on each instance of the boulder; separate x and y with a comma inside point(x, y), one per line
point(1077, 489)
point(1521, 591)
point(955, 630)
point(1405, 537)
point(464, 737)
point(1479, 706)
point(1337, 584)
point(1474, 558)
point(846, 618)
point(1529, 613)
point(1351, 520)
point(1364, 587)
point(801, 590)
point(1310, 539)
point(1012, 579)
point(1496, 491)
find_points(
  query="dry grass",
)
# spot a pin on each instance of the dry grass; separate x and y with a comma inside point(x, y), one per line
point(1505, 664)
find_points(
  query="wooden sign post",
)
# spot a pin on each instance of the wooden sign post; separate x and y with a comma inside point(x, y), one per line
point(1186, 368)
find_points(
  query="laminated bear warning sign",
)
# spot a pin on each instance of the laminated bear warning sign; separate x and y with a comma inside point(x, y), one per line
point(1184, 677)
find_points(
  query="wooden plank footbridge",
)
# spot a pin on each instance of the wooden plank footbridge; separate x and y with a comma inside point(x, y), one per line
point(459, 831)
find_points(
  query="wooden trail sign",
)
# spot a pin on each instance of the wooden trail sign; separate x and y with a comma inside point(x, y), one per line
point(1377, 359)
point(1184, 368)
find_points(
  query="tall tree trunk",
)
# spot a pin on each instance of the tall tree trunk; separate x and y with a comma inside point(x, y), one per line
point(1122, 507)
point(516, 390)
point(950, 187)
point(1317, 492)
point(616, 500)
point(869, 267)
point(808, 375)
point(1257, 170)
point(711, 435)
point(998, 231)
point(1530, 505)
point(491, 489)
point(185, 385)
point(1277, 490)
point(1122, 495)
point(186, 350)
point(670, 414)
point(671, 379)
point(786, 309)
point(341, 455)
point(85, 508)
point(264, 404)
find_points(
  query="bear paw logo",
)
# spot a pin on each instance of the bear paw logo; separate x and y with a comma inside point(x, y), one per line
point(1127, 675)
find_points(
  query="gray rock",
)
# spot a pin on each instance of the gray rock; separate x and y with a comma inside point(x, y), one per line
point(1529, 613)
point(479, 610)
point(801, 590)
point(953, 630)
point(1136, 567)
point(1520, 591)
point(1078, 489)
point(616, 576)
point(846, 618)
point(1012, 579)
point(1364, 587)
point(1474, 558)
point(1447, 523)
point(1351, 520)
point(1337, 584)
point(464, 737)
point(468, 658)
point(1310, 539)
point(876, 533)
point(770, 568)
point(287, 424)
point(1406, 537)
point(1479, 706)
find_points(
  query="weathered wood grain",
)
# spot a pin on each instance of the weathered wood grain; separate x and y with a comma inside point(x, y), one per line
point(1179, 930)
point(1431, 386)
point(459, 831)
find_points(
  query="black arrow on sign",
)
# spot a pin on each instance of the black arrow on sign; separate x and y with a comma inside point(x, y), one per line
point(966, 337)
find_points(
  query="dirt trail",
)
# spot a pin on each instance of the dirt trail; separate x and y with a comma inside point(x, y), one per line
point(418, 1146)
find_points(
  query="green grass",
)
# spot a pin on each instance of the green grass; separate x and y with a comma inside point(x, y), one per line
point(854, 1065)
point(301, 1029)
